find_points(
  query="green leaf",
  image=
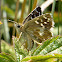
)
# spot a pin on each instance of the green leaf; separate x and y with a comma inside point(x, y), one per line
point(20, 51)
point(49, 46)
point(4, 57)
point(5, 47)
point(19, 48)
point(41, 58)
point(9, 11)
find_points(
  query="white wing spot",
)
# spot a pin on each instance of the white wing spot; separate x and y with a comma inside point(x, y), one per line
point(45, 17)
point(48, 18)
point(45, 22)
point(41, 24)
point(36, 22)
point(41, 34)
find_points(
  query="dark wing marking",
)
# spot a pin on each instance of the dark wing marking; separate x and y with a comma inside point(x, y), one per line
point(36, 12)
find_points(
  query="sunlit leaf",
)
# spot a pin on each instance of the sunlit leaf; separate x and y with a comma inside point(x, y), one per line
point(42, 58)
point(19, 49)
point(49, 46)
point(4, 57)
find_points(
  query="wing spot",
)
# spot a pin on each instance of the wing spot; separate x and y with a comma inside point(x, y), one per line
point(45, 22)
point(41, 34)
point(44, 17)
point(41, 24)
point(48, 18)
point(36, 22)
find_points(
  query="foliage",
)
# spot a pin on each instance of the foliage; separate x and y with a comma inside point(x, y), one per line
point(7, 48)
point(6, 58)
point(41, 58)
point(52, 48)
point(49, 49)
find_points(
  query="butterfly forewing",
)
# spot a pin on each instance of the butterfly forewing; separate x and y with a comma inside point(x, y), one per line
point(36, 12)
point(39, 28)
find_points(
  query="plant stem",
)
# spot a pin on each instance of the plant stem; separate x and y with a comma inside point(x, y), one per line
point(34, 4)
point(61, 16)
point(22, 11)
point(53, 7)
point(30, 5)
point(17, 6)
point(58, 15)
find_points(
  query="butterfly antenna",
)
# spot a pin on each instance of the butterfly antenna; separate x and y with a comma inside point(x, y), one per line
point(11, 21)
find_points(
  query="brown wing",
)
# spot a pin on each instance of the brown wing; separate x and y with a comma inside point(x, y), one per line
point(36, 12)
point(39, 28)
point(26, 41)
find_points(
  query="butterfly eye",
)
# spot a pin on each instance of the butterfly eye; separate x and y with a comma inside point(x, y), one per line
point(18, 26)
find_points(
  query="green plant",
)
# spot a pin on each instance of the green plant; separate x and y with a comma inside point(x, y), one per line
point(50, 49)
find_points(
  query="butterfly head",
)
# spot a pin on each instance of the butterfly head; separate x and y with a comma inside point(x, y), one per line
point(18, 27)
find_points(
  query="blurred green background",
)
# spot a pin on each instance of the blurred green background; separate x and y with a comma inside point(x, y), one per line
point(8, 8)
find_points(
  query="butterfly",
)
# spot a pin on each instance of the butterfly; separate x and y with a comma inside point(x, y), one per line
point(35, 27)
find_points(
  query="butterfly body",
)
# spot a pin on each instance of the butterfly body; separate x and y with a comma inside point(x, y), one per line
point(36, 27)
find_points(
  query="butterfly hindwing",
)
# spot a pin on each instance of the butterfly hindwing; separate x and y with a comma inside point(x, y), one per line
point(26, 41)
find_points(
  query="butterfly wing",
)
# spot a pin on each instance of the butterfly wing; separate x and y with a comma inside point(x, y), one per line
point(26, 41)
point(36, 12)
point(39, 28)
